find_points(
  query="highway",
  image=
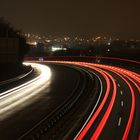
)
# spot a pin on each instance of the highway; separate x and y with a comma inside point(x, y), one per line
point(73, 100)
point(22, 107)
point(117, 114)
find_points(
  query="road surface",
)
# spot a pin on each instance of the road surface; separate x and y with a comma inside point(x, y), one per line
point(117, 114)
point(105, 104)
point(21, 108)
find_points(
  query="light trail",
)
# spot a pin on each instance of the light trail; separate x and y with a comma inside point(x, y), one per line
point(93, 118)
point(127, 130)
point(18, 97)
point(74, 57)
point(99, 98)
point(131, 77)
point(127, 76)
point(107, 113)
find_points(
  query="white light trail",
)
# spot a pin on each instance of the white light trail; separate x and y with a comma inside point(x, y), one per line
point(18, 97)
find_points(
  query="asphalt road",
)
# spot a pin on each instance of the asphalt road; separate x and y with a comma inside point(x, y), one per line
point(117, 114)
point(108, 108)
point(21, 118)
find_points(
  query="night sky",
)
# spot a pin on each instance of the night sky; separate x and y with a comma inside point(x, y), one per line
point(116, 18)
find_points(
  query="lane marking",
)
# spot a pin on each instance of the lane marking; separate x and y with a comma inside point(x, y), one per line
point(130, 77)
point(121, 92)
point(131, 115)
point(101, 92)
point(100, 127)
point(119, 85)
point(122, 103)
point(120, 120)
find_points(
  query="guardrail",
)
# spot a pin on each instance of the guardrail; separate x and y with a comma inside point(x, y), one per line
point(49, 121)
point(16, 78)
point(80, 58)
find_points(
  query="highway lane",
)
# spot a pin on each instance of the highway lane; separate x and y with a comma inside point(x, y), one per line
point(117, 116)
point(126, 115)
point(132, 125)
point(104, 106)
point(114, 115)
point(23, 107)
point(18, 95)
point(127, 107)
point(116, 119)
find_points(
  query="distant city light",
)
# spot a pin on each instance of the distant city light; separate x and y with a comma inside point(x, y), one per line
point(58, 48)
point(109, 43)
point(48, 41)
point(66, 38)
point(98, 38)
point(32, 43)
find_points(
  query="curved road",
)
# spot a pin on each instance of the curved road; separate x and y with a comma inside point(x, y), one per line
point(117, 114)
point(108, 109)
point(22, 108)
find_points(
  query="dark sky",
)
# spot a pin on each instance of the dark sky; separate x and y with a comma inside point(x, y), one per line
point(117, 18)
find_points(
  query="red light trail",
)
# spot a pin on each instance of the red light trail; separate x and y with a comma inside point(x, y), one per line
point(128, 78)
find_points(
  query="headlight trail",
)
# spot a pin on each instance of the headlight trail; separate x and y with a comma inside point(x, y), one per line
point(15, 98)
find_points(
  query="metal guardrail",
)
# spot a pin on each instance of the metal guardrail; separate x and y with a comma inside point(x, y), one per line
point(16, 78)
point(49, 121)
